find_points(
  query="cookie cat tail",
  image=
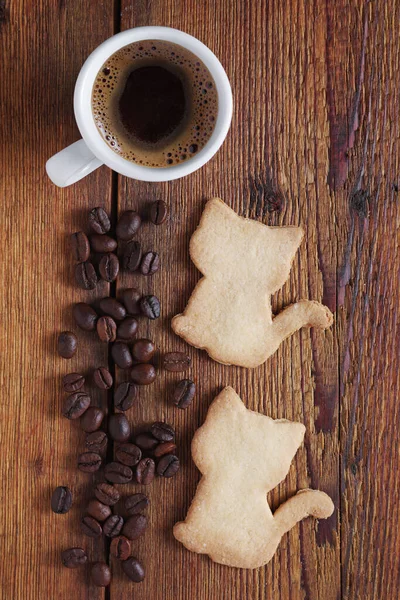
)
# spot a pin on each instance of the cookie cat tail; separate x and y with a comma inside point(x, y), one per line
point(305, 313)
point(306, 503)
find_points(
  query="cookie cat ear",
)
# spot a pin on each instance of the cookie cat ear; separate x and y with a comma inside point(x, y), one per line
point(288, 437)
point(285, 241)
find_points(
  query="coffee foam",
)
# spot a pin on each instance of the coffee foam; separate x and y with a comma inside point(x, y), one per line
point(200, 89)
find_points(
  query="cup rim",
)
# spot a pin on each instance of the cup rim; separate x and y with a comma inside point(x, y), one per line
point(92, 136)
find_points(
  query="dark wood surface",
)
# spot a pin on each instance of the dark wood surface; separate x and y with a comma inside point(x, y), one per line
point(314, 141)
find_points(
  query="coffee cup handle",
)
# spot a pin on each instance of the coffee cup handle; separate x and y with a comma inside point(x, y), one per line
point(72, 164)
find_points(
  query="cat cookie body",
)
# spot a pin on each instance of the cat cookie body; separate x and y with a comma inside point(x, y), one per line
point(242, 455)
point(243, 262)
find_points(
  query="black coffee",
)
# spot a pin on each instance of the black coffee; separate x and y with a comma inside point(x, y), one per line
point(155, 103)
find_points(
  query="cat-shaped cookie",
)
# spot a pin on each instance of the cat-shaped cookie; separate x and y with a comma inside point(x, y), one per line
point(242, 455)
point(243, 262)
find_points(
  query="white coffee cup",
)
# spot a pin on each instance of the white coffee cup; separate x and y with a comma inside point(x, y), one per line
point(81, 158)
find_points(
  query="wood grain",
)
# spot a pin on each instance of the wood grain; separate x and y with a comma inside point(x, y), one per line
point(314, 141)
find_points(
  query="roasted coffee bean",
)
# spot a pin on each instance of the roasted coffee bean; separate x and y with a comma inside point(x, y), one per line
point(91, 527)
point(128, 225)
point(125, 395)
point(150, 307)
point(106, 493)
point(164, 448)
point(72, 382)
point(75, 405)
point(106, 329)
point(109, 267)
point(135, 527)
point(143, 374)
point(67, 344)
point(112, 527)
point(96, 441)
point(146, 441)
point(128, 454)
point(130, 299)
point(98, 510)
point(85, 316)
point(127, 329)
point(145, 471)
point(99, 221)
point(117, 473)
point(143, 350)
point(61, 500)
point(92, 419)
point(73, 557)
point(113, 308)
point(100, 574)
point(119, 428)
point(158, 212)
point(121, 355)
point(120, 547)
point(80, 246)
point(176, 361)
point(162, 431)
point(89, 462)
point(102, 378)
point(132, 256)
point(168, 465)
point(102, 243)
point(150, 263)
point(85, 275)
point(184, 393)
point(136, 503)
point(133, 569)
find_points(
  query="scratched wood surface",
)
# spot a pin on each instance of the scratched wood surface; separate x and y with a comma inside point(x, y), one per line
point(314, 141)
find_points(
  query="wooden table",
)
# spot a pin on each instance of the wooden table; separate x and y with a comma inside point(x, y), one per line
point(314, 141)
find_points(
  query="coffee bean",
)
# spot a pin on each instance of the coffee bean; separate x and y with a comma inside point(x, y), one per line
point(80, 246)
point(128, 225)
point(98, 510)
point(176, 361)
point(128, 454)
point(168, 465)
point(112, 527)
point(100, 574)
point(91, 527)
point(67, 344)
point(89, 462)
point(72, 382)
point(158, 212)
point(102, 243)
point(99, 221)
point(117, 473)
point(92, 419)
point(146, 441)
point(130, 298)
point(75, 405)
point(132, 256)
point(121, 355)
point(135, 527)
point(85, 276)
point(184, 393)
point(73, 557)
point(145, 471)
point(143, 374)
point(136, 503)
point(109, 267)
point(61, 500)
point(106, 493)
point(164, 448)
point(96, 441)
point(113, 308)
point(150, 263)
point(120, 548)
point(106, 329)
point(162, 431)
point(133, 569)
point(150, 307)
point(85, 316)
point(102, 378)
point(143, 350)
point(119, 428)
point(127, 329)
point(125, 395)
